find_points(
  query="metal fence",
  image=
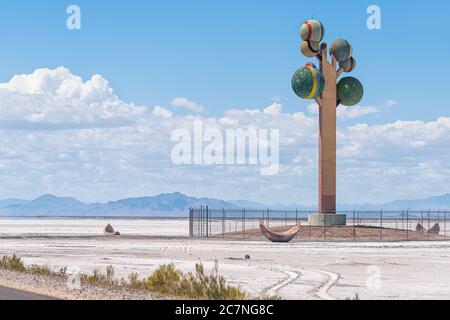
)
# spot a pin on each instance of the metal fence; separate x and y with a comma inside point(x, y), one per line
point(361, 225)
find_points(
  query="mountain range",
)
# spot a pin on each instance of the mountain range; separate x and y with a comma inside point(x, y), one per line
point(177, 205)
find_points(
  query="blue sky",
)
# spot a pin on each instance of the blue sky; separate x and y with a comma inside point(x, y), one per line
point(225, 55)
point(228, 54)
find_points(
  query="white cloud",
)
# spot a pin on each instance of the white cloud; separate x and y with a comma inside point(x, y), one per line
point(185, 103)
point(391, 103)
point(60, 99)
point(313, 108)
point(345, 112)
point(354, 112)
point(161, 112)
point(274, 109)
point(111, 149)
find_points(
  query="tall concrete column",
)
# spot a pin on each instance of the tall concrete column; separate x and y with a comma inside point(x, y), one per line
point(327, 135)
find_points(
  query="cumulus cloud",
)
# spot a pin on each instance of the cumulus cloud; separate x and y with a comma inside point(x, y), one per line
point(354, 112)
point(57, 98)
point(391, 103)
point(108, 149)
point(345, 112)
point(274, 109)
point(162, 112)
point(185, 103)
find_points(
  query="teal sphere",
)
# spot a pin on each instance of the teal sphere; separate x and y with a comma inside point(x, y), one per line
point(350, 91)
point(308, 82)
point(341, 50)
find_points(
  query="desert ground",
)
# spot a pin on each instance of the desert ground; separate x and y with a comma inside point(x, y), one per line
point(298, 270)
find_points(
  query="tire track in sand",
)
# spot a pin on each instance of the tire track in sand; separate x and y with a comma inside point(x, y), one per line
point(274, 289)
point(321, 291)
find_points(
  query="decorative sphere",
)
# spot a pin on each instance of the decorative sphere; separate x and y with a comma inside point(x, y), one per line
point(308, 82)
point(348, 65)
point(350, 91)
point(341, 50)
point(312, 30)
point(310, 49)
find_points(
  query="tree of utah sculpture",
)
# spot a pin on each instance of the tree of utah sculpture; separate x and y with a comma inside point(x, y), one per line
point(322, 85)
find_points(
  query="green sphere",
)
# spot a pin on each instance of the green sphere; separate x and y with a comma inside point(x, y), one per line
point(308, 82)
point(341, 50)
point(350, 91)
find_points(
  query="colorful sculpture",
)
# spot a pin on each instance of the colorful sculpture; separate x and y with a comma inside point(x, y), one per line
point(349, 91)
point(308, 82)
point(312, 30)
point(341, 50)
point(310, 49)
point(348, 65)
point(322, 85)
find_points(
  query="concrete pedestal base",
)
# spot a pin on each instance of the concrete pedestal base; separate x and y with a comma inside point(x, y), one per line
point(328, 220)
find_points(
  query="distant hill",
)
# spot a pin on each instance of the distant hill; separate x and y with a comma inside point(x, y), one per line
point(433, 203)
point(174, 204)
point(178, 204)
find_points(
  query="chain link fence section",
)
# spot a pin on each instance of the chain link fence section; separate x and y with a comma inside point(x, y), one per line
point(406, 225)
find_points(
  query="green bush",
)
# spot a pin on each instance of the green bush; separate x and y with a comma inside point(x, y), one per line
point(42, 270)
point(13, 263)
point(100, 279)
point(198, 285)
point(167, 279)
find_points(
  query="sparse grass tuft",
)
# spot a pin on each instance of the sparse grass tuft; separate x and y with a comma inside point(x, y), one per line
point(355, 298)
point(101, 279)
point(167, 279)
point(41, 270)
point(13, 263)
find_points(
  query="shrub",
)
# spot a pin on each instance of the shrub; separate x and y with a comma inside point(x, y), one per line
point(100, 279)
point(13, 263)
point(199, 285)
point(42, 270)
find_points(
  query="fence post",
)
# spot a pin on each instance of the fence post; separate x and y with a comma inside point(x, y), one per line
point(296, 216)
point(407, 225)
point(223, 223)
point(243, 224)
point(310, 228)
point(403, 220)
point(268, 218)
point(191, 219)
point(354, 226)
point(200, 222)
point(381, 225)
point(207, 221)
point(429, 224)
point(285, 218)
point(445, 225)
